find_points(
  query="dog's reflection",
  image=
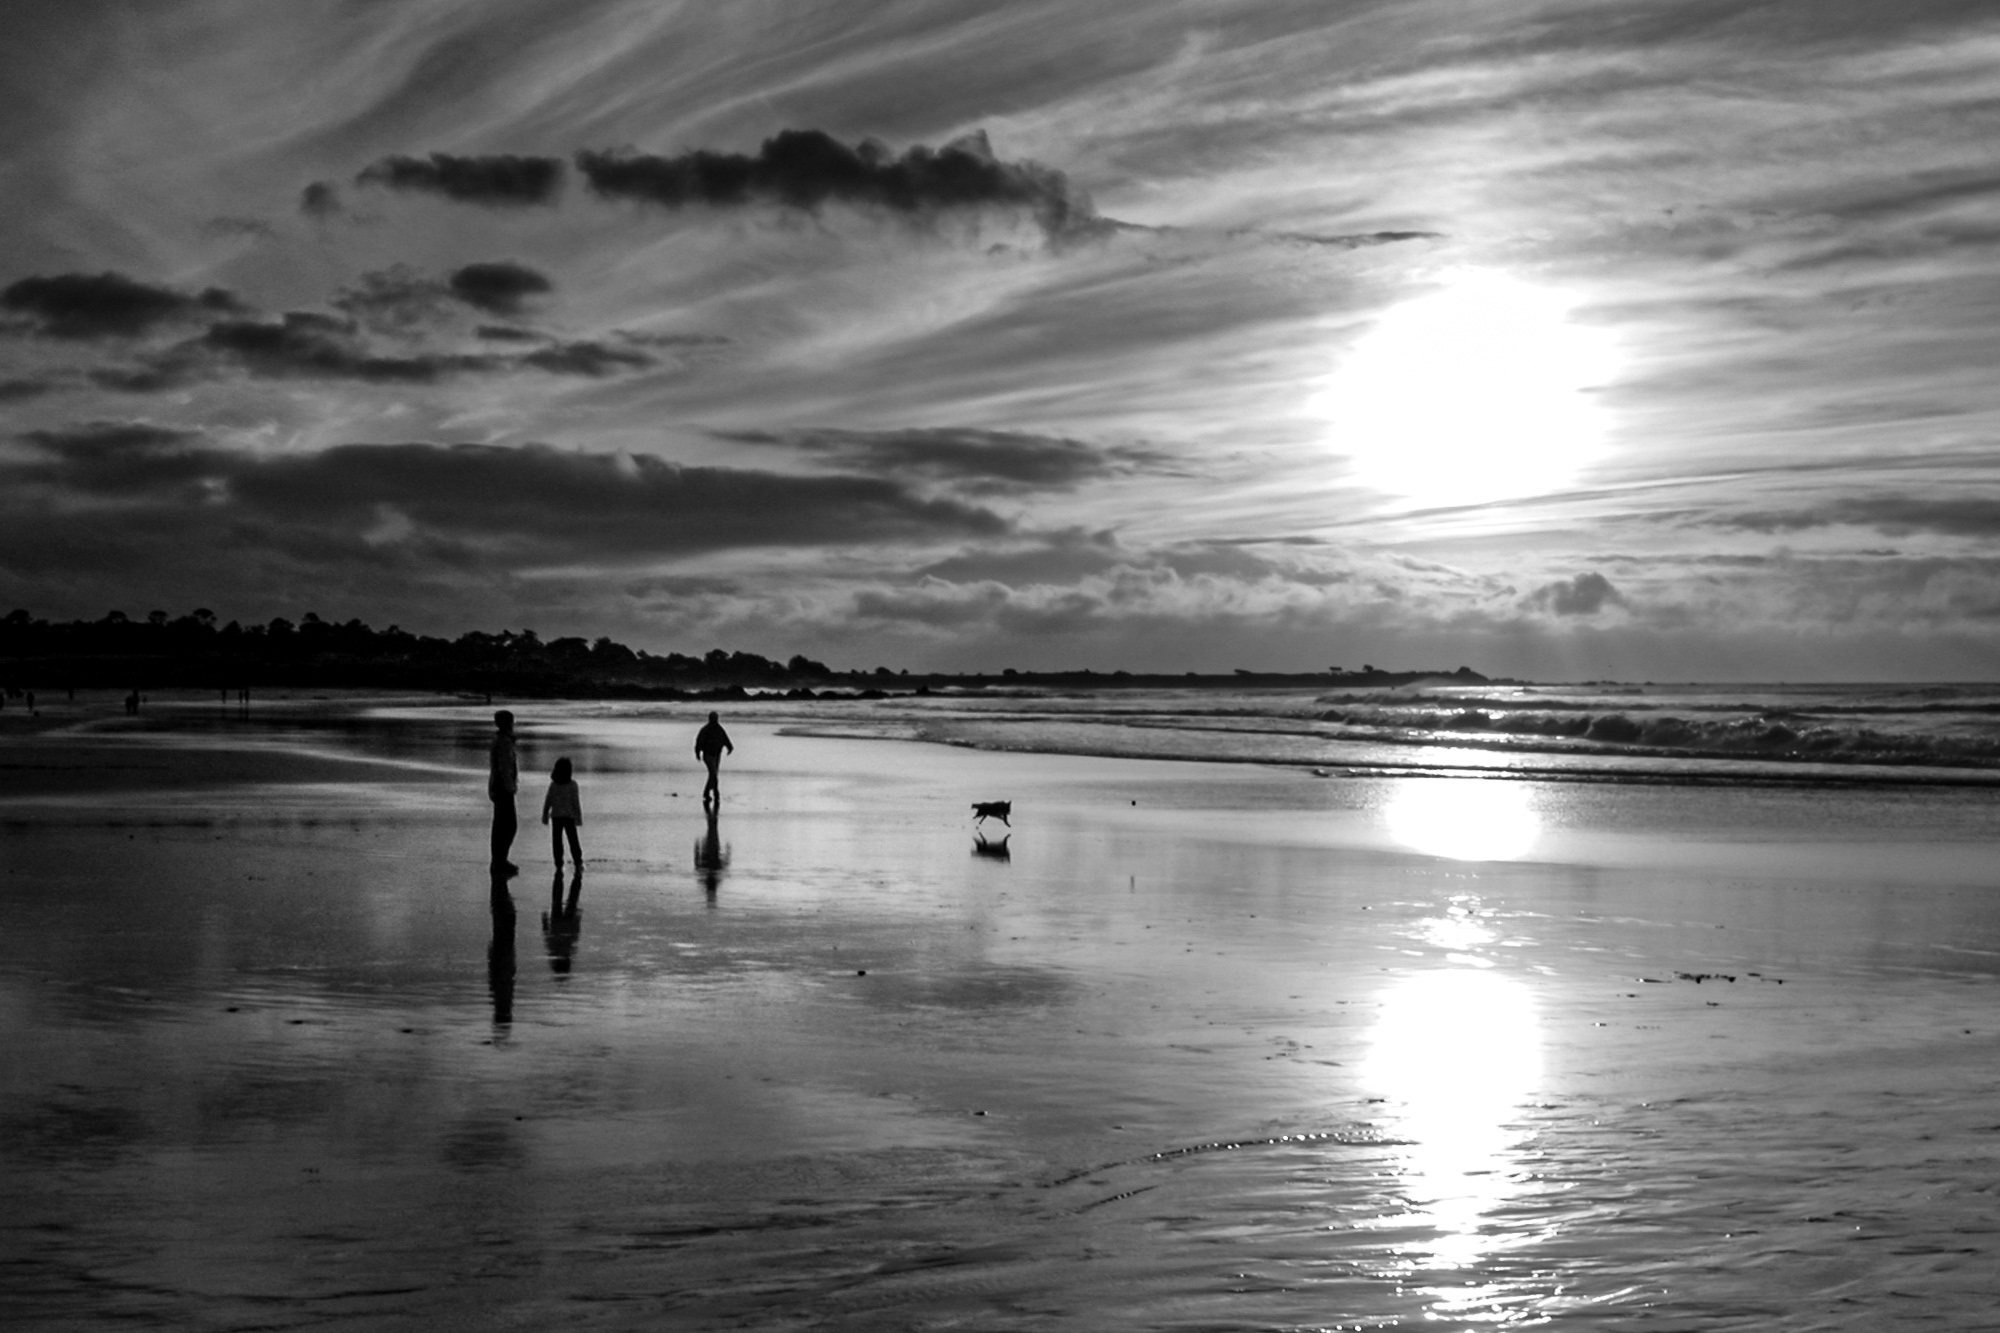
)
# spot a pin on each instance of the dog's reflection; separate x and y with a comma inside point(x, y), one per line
point(562, 923)
point(996, 850)
point(711, 858)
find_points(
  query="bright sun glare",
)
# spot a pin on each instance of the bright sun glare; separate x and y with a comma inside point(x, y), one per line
point(1480, 391)
point(1466, 819)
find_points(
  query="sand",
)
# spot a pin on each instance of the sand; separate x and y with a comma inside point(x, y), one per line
point(1213, 1046)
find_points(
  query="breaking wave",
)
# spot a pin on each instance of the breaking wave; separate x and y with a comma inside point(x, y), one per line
point(1780, 734)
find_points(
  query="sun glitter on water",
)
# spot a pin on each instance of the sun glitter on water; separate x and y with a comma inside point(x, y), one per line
point(1479, 391)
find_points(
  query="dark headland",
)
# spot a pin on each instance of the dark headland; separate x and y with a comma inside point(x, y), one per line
point(194, 651)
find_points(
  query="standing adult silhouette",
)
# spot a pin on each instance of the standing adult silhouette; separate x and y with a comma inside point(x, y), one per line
point(709, 743)
point(502, 777)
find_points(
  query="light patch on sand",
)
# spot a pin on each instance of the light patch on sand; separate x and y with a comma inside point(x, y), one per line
point(1456, 1053)
point(1463, 819)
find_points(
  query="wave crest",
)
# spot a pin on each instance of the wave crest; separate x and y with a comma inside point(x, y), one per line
point(1771, 734)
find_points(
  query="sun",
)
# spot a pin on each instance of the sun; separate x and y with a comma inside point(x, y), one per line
point(1479, 391)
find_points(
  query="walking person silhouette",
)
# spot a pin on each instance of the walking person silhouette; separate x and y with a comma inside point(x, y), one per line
point(709, 743)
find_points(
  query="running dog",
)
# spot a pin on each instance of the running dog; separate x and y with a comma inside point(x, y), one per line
point(985, 810)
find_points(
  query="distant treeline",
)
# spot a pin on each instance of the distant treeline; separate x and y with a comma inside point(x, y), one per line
point(195, 652)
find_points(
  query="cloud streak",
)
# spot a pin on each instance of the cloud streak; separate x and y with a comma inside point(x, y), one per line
point(809, 169)
point(1959, 516)
point(497, 181)
point(980, 461)
point(403, 307)
point(105, 305)
point(555, 503)
point(305, 345)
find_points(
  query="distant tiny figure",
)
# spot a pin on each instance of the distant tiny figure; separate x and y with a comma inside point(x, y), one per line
point(709, 743)
point(562, 811)
point(132, 704)
point(985, 810)
point(502, 777)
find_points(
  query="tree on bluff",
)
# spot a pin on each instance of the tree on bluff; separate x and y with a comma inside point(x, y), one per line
point(193, 648)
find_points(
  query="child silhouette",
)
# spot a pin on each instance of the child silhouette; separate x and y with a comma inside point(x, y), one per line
point(562, 810)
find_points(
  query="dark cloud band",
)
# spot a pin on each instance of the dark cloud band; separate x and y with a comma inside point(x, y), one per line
point(311, 346)
point(499, 287)
point(298, 344)
point(105, 305)
point(1955, 516)
point(807, 169)
point(538, 502)
point(500, 181)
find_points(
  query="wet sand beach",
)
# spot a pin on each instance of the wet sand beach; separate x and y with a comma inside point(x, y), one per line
point(1200, 1046)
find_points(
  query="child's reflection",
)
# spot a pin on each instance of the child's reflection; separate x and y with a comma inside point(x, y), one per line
point(562, 923)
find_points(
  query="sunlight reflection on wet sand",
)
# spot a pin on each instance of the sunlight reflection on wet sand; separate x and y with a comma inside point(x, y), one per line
point(1466, 819)
point(1457, 1054)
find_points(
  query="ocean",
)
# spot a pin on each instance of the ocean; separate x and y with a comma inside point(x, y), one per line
point(1616, 732)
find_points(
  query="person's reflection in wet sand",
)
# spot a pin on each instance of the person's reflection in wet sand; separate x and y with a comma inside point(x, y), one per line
point(561, 924)
point(711, 858)
point(995, 850)
point(500, 956)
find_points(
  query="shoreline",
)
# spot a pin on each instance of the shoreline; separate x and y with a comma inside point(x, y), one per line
point(1078, 732)
point(1837, 774)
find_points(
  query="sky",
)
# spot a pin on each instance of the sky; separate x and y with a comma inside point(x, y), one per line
point(1646, 339)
